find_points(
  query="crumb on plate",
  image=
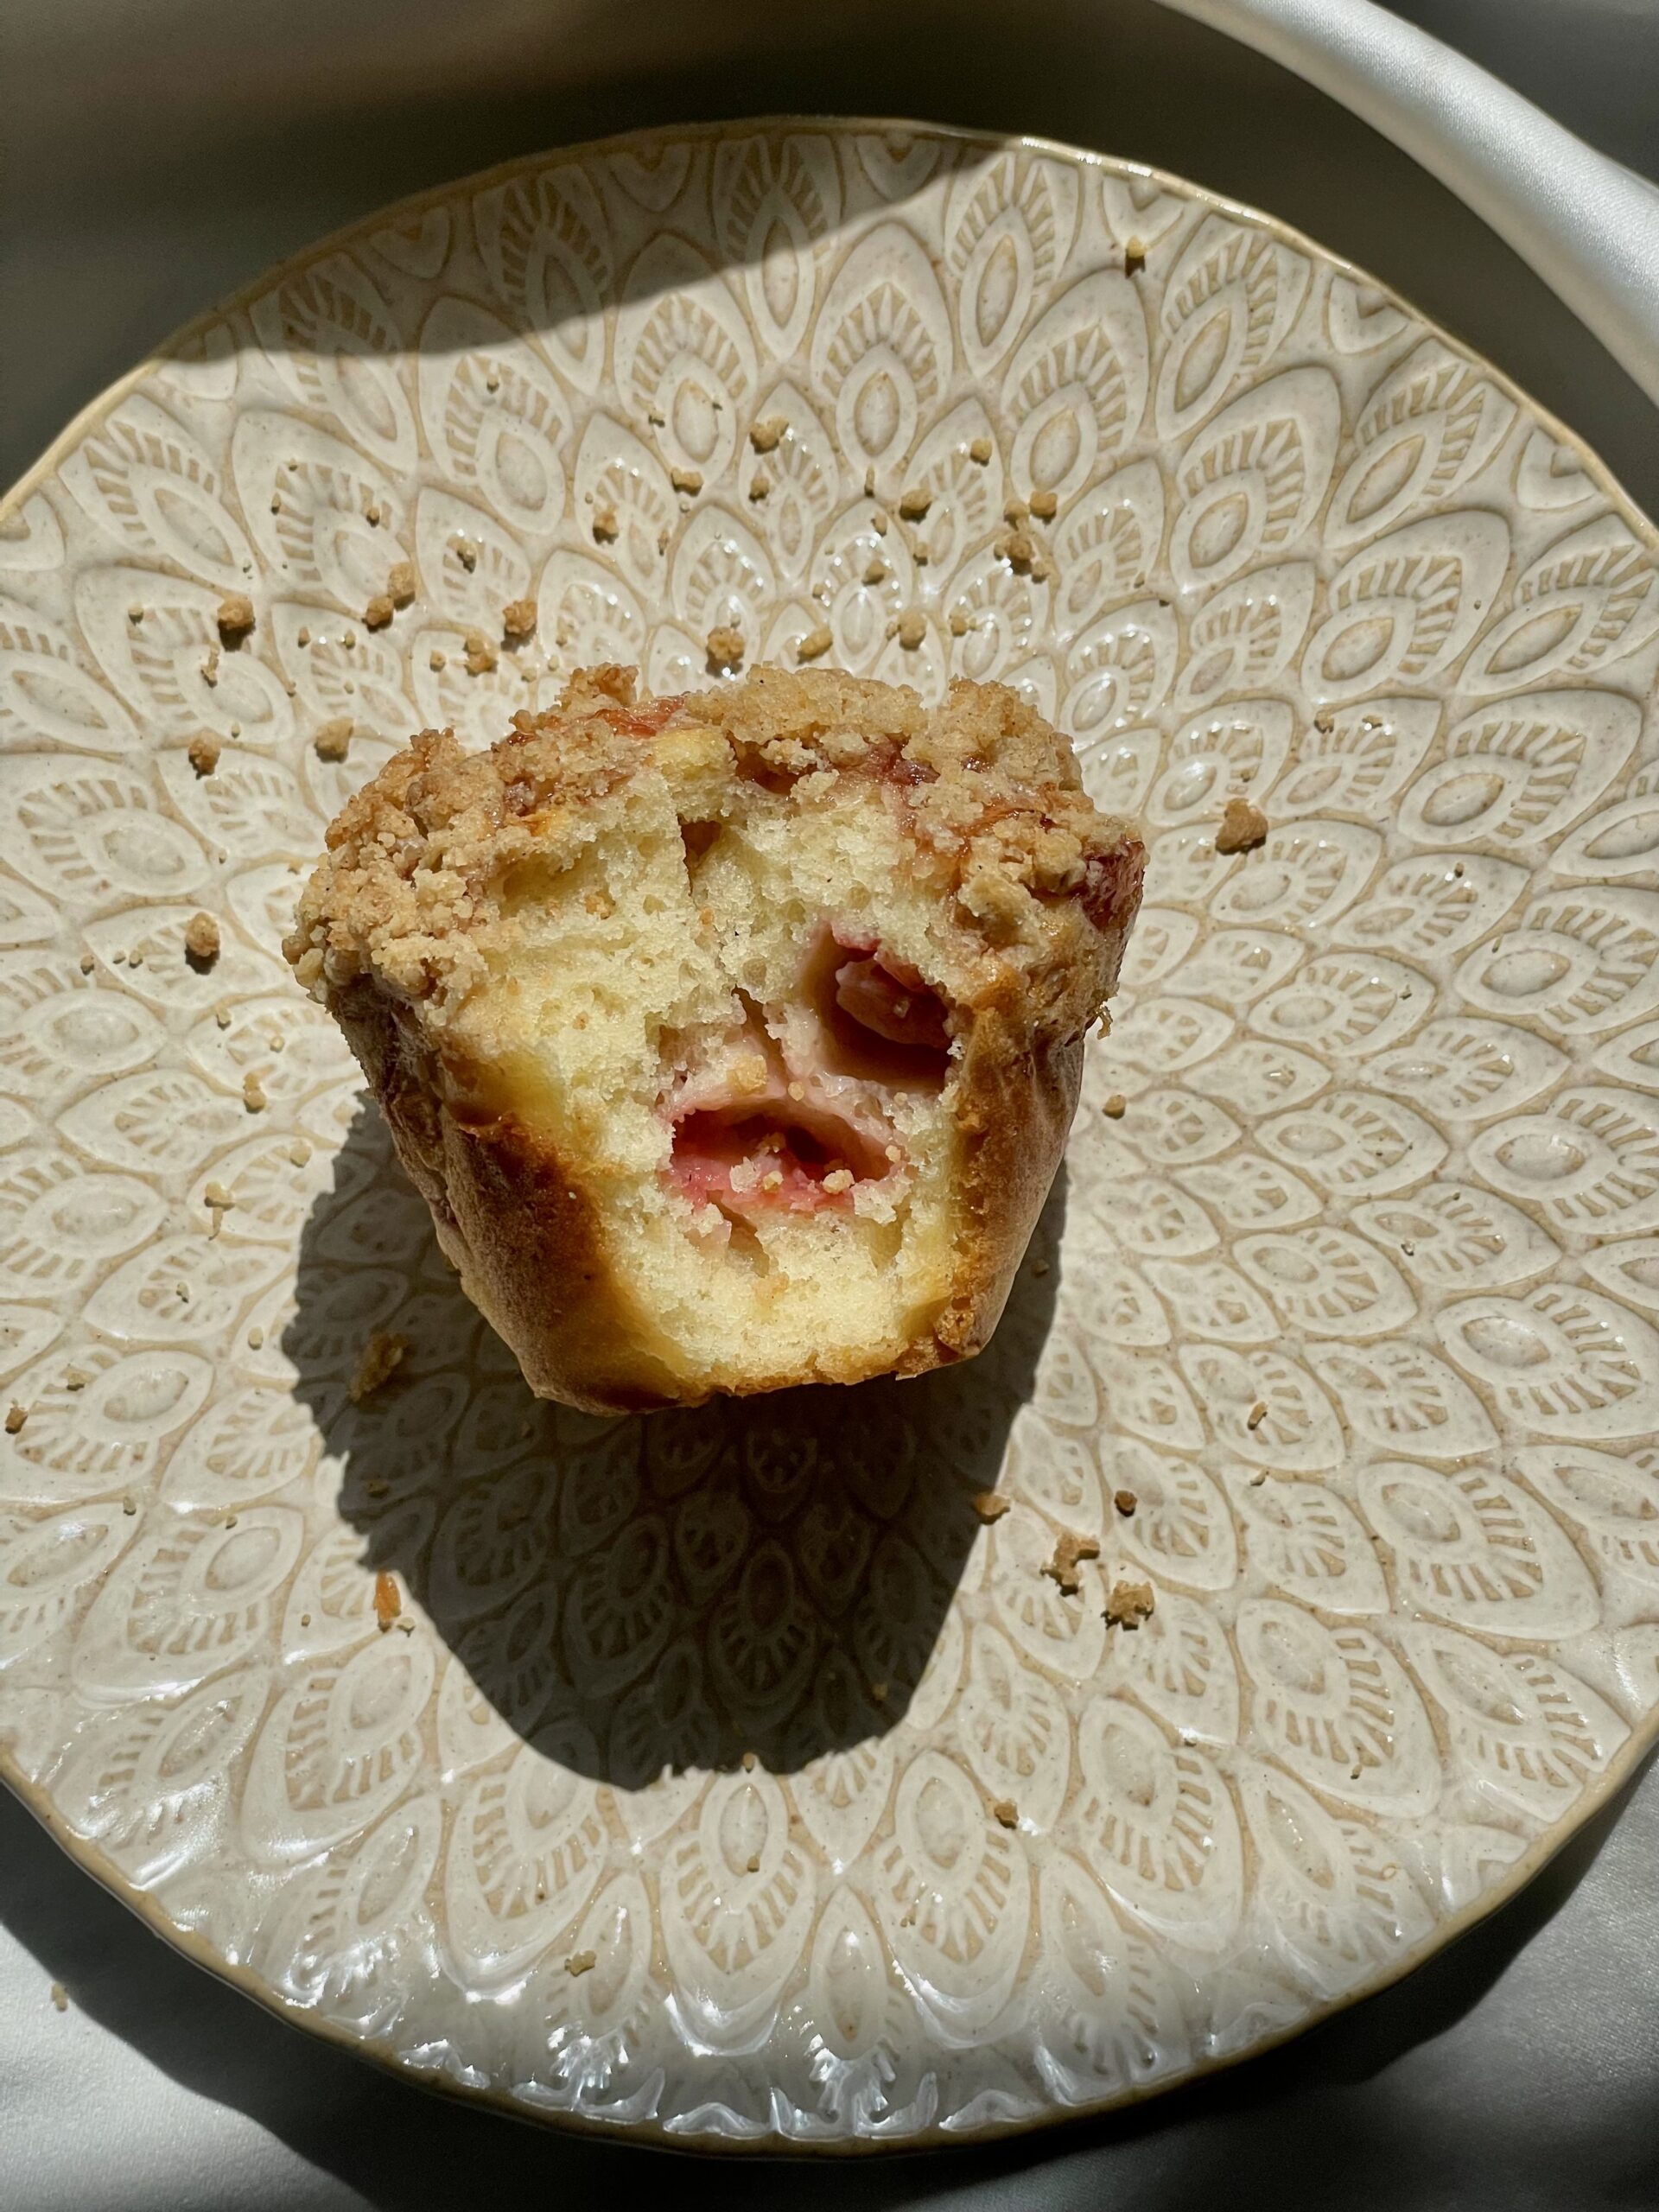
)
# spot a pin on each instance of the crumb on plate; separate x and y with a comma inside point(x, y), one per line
point(1129, 1604)
point(234, 616)
point(388, 1601)
point(201, 941)
point(379, 1358)
point(1069, 1551)
point(1244, 827)
point(724, 646)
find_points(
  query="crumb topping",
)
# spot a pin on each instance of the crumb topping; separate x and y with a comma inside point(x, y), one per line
point(988, 797)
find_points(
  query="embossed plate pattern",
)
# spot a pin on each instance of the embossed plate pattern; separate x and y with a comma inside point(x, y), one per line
point(1358, 1296)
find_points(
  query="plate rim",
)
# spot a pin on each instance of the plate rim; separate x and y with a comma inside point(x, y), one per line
point(91, 1859)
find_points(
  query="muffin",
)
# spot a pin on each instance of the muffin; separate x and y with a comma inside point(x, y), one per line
point(732, 1038)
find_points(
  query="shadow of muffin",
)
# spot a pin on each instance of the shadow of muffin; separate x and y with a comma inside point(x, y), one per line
point(763, 1579)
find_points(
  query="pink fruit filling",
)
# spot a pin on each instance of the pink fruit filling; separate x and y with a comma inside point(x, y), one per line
point(820, 1125)
point(771, 1155)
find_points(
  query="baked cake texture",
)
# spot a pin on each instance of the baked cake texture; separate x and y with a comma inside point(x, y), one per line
point(732, 1038)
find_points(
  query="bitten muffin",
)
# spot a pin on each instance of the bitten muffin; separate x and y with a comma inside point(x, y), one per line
point(732, 1038)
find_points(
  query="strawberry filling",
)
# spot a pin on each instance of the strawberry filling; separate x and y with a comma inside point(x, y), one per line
point(877, 1019)
point(770, 1155)
point(1111, 888)
point(813, 1130)
point(879, 997)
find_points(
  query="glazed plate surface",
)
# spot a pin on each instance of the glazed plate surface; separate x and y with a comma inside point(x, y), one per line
point(725, 1778)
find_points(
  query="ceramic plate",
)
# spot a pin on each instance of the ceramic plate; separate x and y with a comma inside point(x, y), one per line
point(726, 1777)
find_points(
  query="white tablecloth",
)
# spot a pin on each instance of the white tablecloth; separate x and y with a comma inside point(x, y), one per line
point(158, 156)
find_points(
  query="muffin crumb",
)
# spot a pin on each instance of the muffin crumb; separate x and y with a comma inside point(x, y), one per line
point(764, 435)
point(15, 1416)
point(234, 616)
point(1244, 827)
point(816, 643)
point(991, 1505)
point(980, 450)
point(519, 620)
point(202, 753)
point(1116, 1107)
point(1006, 1813)
point(1016, 547)
point(334, 741)
point(253, 1093)
point(1129, 1605)
point(400, 583)
point(201, 941)
point(1125, 1501)
point(1069, 1551)
point(377, 614)
point(388, 1601)
point(377, 1361)
point(724, 646)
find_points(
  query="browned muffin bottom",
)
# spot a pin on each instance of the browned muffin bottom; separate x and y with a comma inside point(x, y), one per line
point(732, 1037)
